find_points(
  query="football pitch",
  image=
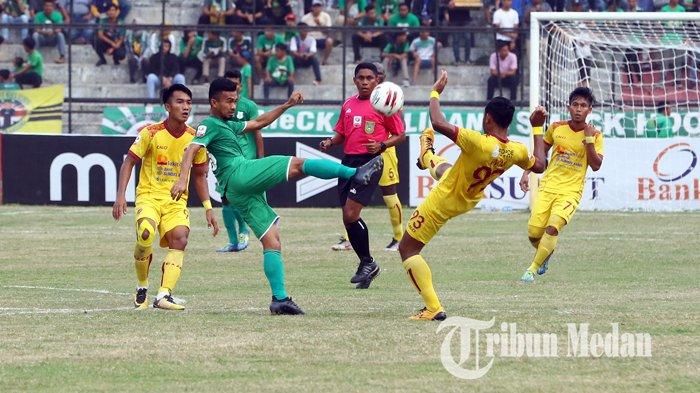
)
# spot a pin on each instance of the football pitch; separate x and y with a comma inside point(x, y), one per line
point(67, 324)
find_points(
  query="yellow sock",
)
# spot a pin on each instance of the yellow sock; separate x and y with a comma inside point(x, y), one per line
point(394, 205)
point(534, 234)
point(142, 264)
point(545, 248)
point(419, 273)
point(434, 161)
point(172, 265)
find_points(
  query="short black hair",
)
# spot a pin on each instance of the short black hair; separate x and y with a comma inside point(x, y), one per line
point(501, 111)
point(281, 46)
point(369, 8)
point(221, 84)
point(5, 74)
point(583, 92)
point(404, 4)
point(109, 7)
point(661, 106)
point(29, 42)
point(366, 66)
point(167, 93)
point(233, 74)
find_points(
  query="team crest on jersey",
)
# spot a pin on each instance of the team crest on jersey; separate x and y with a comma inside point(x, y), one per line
point(495, 152)
point(369, 127)
point(239, 115)
point(201, 130)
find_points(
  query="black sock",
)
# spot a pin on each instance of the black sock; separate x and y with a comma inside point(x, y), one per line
point(359, 238)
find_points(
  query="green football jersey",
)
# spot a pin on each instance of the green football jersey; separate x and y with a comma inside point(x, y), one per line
point(225, 144)
point(247, 110)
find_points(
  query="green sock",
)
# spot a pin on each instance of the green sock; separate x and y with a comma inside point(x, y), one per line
point(274, 271)
point(229, 214)
point(242, 226)
point(327, 169)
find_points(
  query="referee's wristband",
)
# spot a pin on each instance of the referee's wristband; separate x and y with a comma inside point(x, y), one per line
point(538, 130)
point(207, 204)
point(435, 94)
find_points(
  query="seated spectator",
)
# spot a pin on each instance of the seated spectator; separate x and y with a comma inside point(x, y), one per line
point(213, 49)
point(265, 49)
point(31, 71)
point(218, 12)
point(279, 71)
point(190, 46)
point(243, 79)
point(395, 55)
point(6, 82)
point(319, 18)
point(672, 6)
point(503, 66)
point(291, 29)
point(14, 12)
point(240, 45)
point(81, 14)
point(110, 37)
point(371, 37)
point(49, 36)
point(660, 126)
point(506, 21)
point(403, 18)
point(355, 11)
point(99, 8)
point(459, 17)
point(250, 12)
point(137, 53)
point(164, 70)
point(423, 50)
point(275, 11)
point(158, 36)
point(425, 11)
point(303, 50)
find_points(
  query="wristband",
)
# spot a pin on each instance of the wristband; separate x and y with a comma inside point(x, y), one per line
point(207, 204)
point(537, 130)
point(434, 94)
point(590, 139)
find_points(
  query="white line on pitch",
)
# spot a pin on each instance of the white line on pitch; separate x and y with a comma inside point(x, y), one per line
point(102, 291)
point(63, 311)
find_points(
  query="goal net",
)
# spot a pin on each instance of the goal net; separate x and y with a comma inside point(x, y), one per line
point(642, 68)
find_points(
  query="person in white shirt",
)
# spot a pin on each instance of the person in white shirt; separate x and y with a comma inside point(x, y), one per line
point(423, 50)
point(506, 20)
point(303, 50)
point(319, 18)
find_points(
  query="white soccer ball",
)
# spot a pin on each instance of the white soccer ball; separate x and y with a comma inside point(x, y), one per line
point(387, 98)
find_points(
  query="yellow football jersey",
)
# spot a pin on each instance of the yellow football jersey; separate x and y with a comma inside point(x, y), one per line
point(482, 160)
point(160, 152)
point(566, 171)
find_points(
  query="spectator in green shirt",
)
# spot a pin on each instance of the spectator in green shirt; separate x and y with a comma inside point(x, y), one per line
point(265, 47)
point(661, 125)
point(190, 46)
point(6, 82)
point(31, 71)
point(404, 18)
point(279, 71)
point(396, 54)
point(49, 36)
point(673, 6)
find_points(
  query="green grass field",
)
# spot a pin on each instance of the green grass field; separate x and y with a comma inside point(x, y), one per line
point(66, 280)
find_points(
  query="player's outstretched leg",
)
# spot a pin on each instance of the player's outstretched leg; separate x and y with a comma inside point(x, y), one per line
point(229, 215)
point(427, 159)
point(143, 255)
point(545, 249)
point(420, 276)
point(327, 169)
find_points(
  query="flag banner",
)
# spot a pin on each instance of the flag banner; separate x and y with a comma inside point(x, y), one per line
point(32, 111)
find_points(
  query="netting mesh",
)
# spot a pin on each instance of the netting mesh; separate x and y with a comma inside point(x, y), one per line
point(644, 74)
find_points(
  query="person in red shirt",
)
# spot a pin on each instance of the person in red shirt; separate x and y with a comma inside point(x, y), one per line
point(364, 134)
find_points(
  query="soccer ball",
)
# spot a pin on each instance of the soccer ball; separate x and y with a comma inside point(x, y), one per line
point(387, 98)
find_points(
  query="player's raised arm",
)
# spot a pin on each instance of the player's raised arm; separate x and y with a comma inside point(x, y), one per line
point(267, 118)
point(119, 207)
point(437, 119)
point(537, 118)
point(593, 158)
point(180, 186)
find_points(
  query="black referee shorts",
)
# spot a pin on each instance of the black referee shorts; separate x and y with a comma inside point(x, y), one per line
point(359, 193)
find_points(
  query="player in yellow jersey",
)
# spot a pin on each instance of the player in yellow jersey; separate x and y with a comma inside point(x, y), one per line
point(577, 146)
point(461, 186)
point(159, 148)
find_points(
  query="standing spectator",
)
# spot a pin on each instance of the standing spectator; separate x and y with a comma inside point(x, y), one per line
point(217, 12)
point(245, 76)
point(275, 11)
point(14, 12)
point(48, 36)
point(423, 50)
point(137, 52)
point(537, 6)
point(265, 49)
point(190, 46)
point(371, 37)
point(250, 12)
point(660, 126)
point(303, 50)
point(31, 71)
point(506, 21)
point(164, 70)
point(319, 18)
point(387, 8)
point(279, 71)
point(110, 37)
point(355, 11)
point(403, 18)
point(99, 8)
point(459, 17)
point(81, 14)
point(240, 45)
point(503, 65)
point(425, 11)
point(213, 49)
point(396, 55)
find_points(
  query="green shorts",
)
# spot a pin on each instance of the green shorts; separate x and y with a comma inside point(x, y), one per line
point(245, 190)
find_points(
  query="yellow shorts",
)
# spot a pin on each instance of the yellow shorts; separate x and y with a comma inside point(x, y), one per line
point(167, 214)
point(547, 204)
point(433, 213)
point(390, 174)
